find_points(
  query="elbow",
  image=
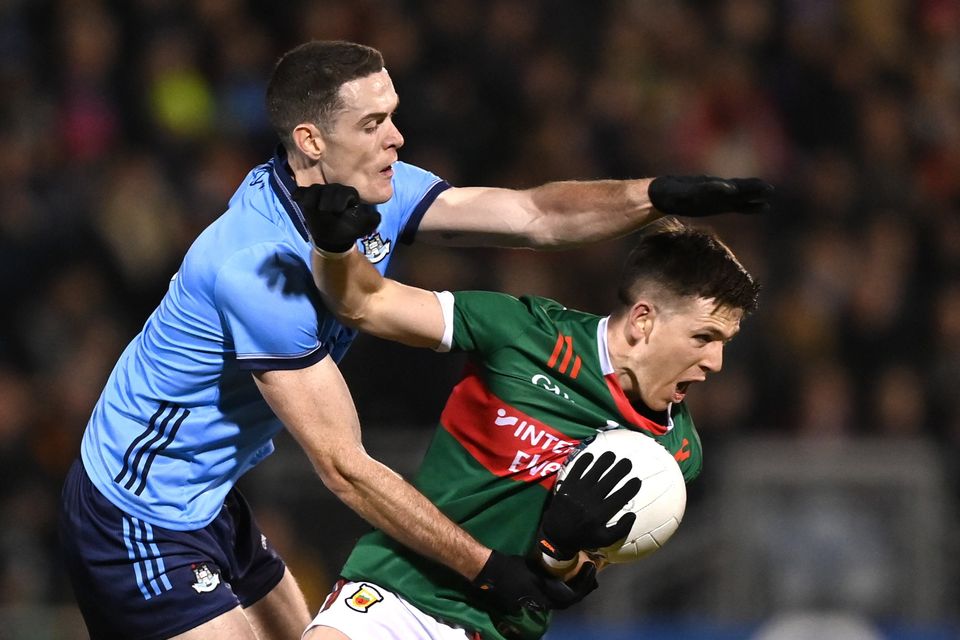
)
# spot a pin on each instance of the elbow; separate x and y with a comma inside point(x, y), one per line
point(549, 239)
point(543, 233)
point(364, 313)
point(338, 471)
point(356, 308)
point(352, 313)
point(352, 318)
point(346, 471)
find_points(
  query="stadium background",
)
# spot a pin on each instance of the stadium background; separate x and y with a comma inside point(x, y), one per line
point(829, 496)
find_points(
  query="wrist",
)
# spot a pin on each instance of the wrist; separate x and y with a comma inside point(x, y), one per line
point(553, 551)
point(556, 566)
point(329, 254)
point(657, 196)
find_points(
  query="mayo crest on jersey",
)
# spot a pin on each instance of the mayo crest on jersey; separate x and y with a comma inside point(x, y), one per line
point(180, 418)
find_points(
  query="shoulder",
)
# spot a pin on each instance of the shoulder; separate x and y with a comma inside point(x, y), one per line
point(274, 264)
point(543, 306)
point(242, 251)
point(255, 196)
point(505, 313)
point(412, 186)
point(552, 312)
point(405, 174)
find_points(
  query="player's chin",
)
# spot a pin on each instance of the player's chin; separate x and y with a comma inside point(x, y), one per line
point(377, 193)
point(660, 402)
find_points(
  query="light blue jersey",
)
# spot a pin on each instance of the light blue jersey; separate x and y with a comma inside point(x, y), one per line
point(181, 418)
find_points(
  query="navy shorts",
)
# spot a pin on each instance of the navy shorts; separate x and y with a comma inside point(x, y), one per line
point(136, 580)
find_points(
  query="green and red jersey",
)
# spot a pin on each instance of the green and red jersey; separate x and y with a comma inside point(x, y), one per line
point(539, 381)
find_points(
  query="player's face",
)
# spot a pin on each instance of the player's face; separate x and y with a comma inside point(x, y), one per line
point(361, 145)
point(680, 347)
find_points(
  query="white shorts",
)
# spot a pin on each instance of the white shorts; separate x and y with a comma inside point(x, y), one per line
point(363, 610)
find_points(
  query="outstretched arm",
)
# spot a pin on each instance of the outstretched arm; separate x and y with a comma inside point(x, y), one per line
point(555, 215)
point(564, 214)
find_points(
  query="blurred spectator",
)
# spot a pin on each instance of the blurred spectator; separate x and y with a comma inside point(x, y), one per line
point(126, 125)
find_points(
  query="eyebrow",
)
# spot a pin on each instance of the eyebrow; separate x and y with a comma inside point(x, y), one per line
point(379, 115)
point(716, 334)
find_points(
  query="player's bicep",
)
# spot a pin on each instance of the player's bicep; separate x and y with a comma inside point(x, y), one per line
point(479, 216)
point(404, 314)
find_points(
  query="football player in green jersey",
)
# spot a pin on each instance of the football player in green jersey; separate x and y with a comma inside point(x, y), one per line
point(541, 379)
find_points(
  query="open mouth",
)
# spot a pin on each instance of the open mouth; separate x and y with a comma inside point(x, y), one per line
point(387, 169)
point(680, 392)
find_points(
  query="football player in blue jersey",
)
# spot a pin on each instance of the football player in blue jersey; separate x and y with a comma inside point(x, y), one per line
point(156, 538)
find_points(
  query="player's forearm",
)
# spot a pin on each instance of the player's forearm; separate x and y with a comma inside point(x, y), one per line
point(316, 407)
point(385, 500)
point(572, 213)
point(361, 298)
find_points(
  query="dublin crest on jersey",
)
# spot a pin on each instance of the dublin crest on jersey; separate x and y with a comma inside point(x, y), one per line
point(207, 580)
point(375, 248)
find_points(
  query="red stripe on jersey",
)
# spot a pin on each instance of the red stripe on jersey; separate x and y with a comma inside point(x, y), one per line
point(556, 351)
point(567, 355)
point(627, 410)
point(332, 597)
point(576, 368)
point(506, 441)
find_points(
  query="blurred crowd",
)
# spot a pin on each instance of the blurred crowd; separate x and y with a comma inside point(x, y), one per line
point(125, 126)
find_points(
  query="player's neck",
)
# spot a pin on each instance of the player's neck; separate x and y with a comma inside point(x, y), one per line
point(622, 355)
point(305, 172)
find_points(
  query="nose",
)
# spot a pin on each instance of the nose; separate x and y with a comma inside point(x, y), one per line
point(393, 138)
point(713, 358)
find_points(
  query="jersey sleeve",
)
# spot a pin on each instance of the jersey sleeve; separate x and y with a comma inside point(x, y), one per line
point(484, 321)
point(270, 310)
point(414, 190)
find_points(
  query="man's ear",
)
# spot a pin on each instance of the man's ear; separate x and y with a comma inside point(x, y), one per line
point(640, 319)
point(309, 140)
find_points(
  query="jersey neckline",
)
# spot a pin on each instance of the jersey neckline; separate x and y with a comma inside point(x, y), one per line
point(283, 184)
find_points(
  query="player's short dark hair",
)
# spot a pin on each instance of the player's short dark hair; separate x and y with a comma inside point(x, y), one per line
point(305, 84)
point(685, 262)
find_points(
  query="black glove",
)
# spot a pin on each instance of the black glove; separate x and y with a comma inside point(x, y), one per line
point(509, 583)
point(697, 196)
point(335, 216)
point(577, 515)
point(565, 594)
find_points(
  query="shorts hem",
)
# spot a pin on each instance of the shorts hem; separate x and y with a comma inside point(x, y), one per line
point(265, 588)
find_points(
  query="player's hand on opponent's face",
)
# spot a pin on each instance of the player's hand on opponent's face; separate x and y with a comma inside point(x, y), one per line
point(511, 583)
point(696, 196)
point(578, 512)
point(335, 216)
